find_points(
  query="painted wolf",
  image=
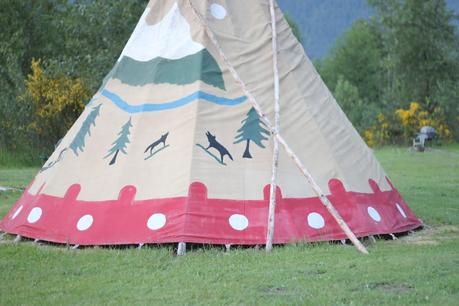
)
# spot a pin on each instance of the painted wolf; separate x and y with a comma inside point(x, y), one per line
point(213, 143)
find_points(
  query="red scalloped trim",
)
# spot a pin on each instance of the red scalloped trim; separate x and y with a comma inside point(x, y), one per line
point(196, 218)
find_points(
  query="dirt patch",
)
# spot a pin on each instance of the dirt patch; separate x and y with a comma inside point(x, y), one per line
point(389, 287)
point(275, 290)
point(431, 235)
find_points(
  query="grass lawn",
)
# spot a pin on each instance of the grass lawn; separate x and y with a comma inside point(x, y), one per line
point(419, 269)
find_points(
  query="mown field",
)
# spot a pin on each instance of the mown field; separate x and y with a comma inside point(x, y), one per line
point(418, 269)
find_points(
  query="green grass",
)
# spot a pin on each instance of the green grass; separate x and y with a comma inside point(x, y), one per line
point(420, 269)
point(10, 159)
point(19, 178)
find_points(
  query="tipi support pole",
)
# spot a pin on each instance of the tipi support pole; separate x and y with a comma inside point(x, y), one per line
point(18, 238)
point(275, 163)
point(323, 198)
point(181, 249)
point(331, 209)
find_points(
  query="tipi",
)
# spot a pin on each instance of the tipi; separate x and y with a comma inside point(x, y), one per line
point(177, 145)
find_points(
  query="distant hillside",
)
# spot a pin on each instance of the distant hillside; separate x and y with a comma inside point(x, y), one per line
point(322, 21)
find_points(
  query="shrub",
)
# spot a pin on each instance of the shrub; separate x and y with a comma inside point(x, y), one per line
point(378, 134)
point(402, 125)
point(56, 102)
point(413, 118)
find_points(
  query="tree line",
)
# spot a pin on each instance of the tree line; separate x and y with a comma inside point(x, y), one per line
point(53, 57)
point(398, 71)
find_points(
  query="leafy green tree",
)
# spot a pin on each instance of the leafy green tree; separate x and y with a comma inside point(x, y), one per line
point(78, 39)
point(78, 143)
point(102, 29)
point(27, 32)
point(252, 130)
point(361, 114)
point(422, 48)
point(120, 144)
point(357, 57)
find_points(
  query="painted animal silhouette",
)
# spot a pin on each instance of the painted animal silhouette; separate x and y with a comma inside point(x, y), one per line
point(52, 163)
point(157, 142)
point(213, 143)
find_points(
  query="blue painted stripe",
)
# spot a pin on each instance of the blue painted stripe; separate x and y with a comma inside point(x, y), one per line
point(151, 107)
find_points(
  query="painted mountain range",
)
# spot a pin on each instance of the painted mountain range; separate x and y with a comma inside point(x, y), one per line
point(162, 52)
point(199, 66)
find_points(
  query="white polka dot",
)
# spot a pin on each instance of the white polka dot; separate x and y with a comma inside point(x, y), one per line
point(34, 215)
point(218, 11)
point(374, 214)
point(85, 222)
point(400, 210)
point(156, 221)
point(17, 212)
point(238, 222)
point(316, 221)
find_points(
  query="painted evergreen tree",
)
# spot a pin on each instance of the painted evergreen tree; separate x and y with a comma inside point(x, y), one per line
point(252, 130)
point(120, 143)
point(78, 143)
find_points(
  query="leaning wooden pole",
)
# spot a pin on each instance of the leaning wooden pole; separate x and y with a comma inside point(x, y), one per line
point(316, 188)
point(272, 191)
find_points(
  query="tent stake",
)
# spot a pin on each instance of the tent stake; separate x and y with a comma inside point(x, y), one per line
point(181, 250)
point(2, 235)
point(228, 247)
point(18, 238)
point(331, 209)
point(140, 246)
point(76, 246)
point(275, 163)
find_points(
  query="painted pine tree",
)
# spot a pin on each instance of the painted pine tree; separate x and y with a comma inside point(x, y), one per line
point(120, 143)
point(78, 143)
point(252, 130)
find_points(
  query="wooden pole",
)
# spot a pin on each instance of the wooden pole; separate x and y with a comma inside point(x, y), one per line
point(331, 209)
point(181, 249)
point(275, 163)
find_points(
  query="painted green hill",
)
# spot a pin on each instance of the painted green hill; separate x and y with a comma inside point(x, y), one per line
point(199, 66)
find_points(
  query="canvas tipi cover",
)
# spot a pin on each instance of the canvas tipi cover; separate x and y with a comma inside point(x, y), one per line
point(170, 149)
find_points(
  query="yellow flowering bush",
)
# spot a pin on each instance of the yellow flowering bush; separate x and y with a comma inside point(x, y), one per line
point(378, 134)
point(403, 125)
point(56, 102)
point(413, 118)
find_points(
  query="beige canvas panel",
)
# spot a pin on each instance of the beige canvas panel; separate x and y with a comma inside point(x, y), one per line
point(164, 175)
point(311, 122)
point(302, 92)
